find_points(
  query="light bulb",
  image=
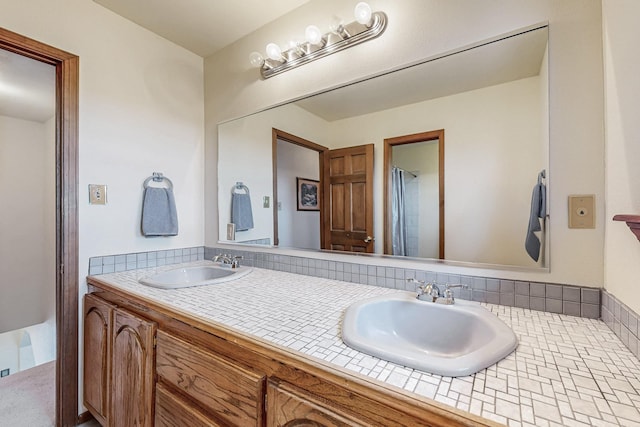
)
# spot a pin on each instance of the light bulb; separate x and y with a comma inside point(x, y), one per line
point(256, 59)
point(274, 52)
point(336, 24)
point(362, 13)
point(295, 46)
point(313, 34)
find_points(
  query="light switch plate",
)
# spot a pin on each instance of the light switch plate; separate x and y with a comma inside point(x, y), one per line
point(97, 194)
point(582, 211)
point(265, 202)
point(231, 231)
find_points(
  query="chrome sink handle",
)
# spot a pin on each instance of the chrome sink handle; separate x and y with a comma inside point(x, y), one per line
point(433, 291)
point(235, 261)
point(226, 259)
point(420, 283)
point(223, 258)
point(447, 295)
point(427, 291)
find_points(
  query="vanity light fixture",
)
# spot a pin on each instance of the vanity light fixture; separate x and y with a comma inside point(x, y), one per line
point(367, 25)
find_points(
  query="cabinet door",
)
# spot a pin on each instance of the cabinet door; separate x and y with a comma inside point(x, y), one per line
point(290, 407)
point(98, 317)
point(132, 370)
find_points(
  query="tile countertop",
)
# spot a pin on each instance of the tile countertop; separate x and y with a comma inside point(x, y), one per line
point(566, 371)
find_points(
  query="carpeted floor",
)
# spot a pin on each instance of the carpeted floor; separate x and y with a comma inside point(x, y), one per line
point(27, 398)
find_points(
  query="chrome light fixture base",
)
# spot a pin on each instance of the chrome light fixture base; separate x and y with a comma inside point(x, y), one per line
point(346, 36)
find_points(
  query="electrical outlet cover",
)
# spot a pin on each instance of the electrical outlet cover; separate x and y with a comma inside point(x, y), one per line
point(582, 211)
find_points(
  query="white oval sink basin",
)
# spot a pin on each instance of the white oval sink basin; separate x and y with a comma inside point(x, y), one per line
point(448, 340)
point(195, 276)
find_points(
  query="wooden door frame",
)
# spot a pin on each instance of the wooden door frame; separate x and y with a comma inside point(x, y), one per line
point(389, 143)
point(277, 134)
point(67, 66)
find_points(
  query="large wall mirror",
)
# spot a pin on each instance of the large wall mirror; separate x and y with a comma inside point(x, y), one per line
point(469, 131)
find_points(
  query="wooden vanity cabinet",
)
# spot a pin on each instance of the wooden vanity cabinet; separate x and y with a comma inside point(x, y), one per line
point(132, 370)
point(174, 411)
point(289, 406)
point(98, 320)
point(231, 393)
point(119, 364)
point(204, 374)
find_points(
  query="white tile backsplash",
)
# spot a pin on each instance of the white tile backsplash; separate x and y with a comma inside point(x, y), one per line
point(566, 370)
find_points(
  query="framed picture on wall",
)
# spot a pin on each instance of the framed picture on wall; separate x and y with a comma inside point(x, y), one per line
point(307, 194)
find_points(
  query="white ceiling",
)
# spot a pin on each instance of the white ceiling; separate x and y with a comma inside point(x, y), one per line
point(501, 61)
point(202, 26)
point(27, 88)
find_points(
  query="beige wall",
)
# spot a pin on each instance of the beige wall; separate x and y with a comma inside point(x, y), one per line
point(421, 29)
point(27, 223)
point(492, 157)
point(245, 156)
point(296, 229)
point(48, 243)
point(622, 109)
point(141, 110)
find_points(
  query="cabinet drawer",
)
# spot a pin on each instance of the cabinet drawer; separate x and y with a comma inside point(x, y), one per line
point(233, 394)
point(290, 406)
point(172, 411)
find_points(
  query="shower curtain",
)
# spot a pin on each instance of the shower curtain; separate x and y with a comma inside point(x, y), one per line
point(398, 220)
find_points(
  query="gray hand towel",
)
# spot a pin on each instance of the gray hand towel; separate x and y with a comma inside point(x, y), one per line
point(241, 214)
point(538, 210)
point(159, 216)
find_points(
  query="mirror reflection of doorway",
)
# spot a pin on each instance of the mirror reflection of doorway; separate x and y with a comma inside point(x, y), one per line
point(295, 160)
point(414, 195)
point(343, 219)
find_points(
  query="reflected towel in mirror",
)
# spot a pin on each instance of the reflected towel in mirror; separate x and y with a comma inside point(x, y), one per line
point(159, 216)
point(538, 211)
point(241, 214)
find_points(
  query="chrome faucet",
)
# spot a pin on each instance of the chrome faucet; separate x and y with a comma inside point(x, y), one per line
point(427, 291)
point(225, 259)
point(431, 292)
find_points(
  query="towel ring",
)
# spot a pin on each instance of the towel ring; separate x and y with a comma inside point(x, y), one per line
point(239, 186)
point(158, 177)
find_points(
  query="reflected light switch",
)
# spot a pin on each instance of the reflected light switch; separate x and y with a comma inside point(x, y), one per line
point(231, 231)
